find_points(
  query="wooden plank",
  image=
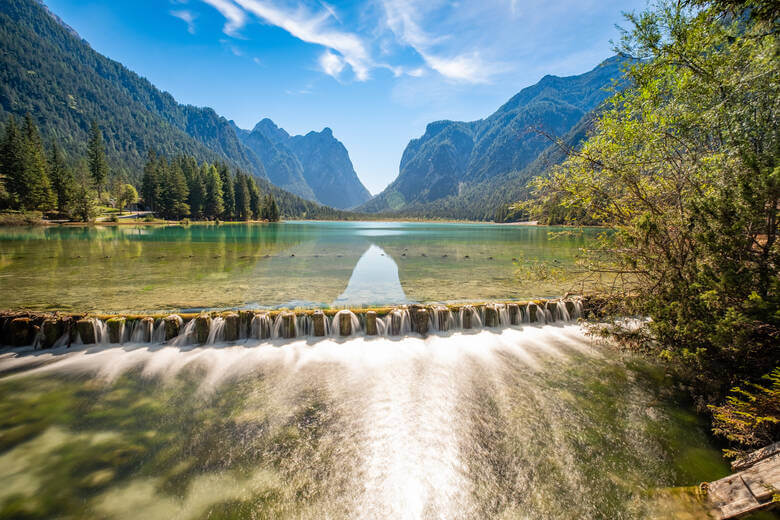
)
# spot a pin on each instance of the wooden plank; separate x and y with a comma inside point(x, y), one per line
point(763, 479)
point(755, 456)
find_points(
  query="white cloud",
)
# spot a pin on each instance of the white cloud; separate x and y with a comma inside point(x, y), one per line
point(235, 16)
point(314, 28)
point(331, 64)
point(187, 17)
point(402, 19)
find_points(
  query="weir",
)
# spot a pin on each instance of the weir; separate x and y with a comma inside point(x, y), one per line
point(49, 331)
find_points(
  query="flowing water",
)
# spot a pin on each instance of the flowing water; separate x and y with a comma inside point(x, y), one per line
point(138, 268)
point(520, 422)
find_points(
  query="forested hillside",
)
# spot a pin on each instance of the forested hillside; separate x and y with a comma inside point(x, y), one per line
point(469, 169)
point(50, 73)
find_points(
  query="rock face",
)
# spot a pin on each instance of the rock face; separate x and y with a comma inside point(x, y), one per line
point(371, 328)
point(315, 166)
point(453, 155)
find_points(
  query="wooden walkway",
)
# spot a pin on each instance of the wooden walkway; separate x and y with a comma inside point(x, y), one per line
point(753, 488)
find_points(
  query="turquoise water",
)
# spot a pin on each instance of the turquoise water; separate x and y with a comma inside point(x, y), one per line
point(135, 268)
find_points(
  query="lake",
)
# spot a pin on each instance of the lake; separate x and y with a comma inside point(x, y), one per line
point(291, 264)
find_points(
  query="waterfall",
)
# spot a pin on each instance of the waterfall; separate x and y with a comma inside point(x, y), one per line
point(142, 331)
point(186, 336)
point(158, 333)
point(210, 328)
point(216, 331)
point(345, 323)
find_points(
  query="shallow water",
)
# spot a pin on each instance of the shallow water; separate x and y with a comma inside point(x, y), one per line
point(292, 264)
point(539, 422)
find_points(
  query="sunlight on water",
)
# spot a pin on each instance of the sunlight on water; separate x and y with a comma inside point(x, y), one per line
point(538, 422)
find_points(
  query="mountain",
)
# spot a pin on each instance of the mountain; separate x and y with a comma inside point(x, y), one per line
point(315, 166)
point(281, 165)
point(49, 71)
point(455, 161)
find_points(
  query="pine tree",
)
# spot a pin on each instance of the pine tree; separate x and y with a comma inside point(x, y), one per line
point(84, 203)
point(151, 183)
point(197, 188)
point(62, 180)
point(174, 191)
point(243, 211)
point(214, 205)
point(36, 192)
point(255, 199)
point(12, 163)
point(228, 193)
point(96, 155)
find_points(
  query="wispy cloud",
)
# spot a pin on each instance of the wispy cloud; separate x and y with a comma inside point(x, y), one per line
point(235, 16)
point(315, 27)
point(187, 17)
point(403, 19)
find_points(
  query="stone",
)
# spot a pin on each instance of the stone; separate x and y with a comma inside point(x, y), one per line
point(147, 326)
point(491, 316)
point(371, 328)
point(245, 323)
point(116, 328)
point(86, 330)
point(442, 318)
point(52, 330)
point(288, 325)
point(468, 313)
point(231, 326)
point(202, 327)
point(420, 319)
point(570, 307)
point(395, 323)
point(514, 313)
point(172, 326)
point(532, 309)
point(20, 332)
point(345, 324)
point(318, 322)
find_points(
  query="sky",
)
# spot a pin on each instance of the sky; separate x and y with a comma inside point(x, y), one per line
point(375, 71)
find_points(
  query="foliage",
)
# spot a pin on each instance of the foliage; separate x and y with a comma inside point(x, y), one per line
point(125, 196)
point(683, 166)
point(96, 157)
point(750, 416)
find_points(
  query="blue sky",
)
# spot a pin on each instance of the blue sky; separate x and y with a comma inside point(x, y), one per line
point(375, 71)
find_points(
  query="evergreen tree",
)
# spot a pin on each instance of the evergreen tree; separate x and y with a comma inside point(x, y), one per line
point(243, 210)
point(96, 155)
point(214, 205)
point(12, 163)
point(151, 182)
point(255, 199)
point(270, 211)
point(174, 191)
point(84, 202)
point(197, 189)
point(62, 180)
point(36, 190)
point(228, 193)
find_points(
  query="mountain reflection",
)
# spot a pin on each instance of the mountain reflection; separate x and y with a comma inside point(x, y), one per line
point(374, 281)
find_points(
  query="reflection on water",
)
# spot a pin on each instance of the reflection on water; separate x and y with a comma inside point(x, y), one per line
point(374, 281)
point(306, 263)
point(531, 423)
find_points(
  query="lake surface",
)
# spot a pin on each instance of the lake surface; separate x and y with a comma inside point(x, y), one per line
point(287, 264)
point(531, 422)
